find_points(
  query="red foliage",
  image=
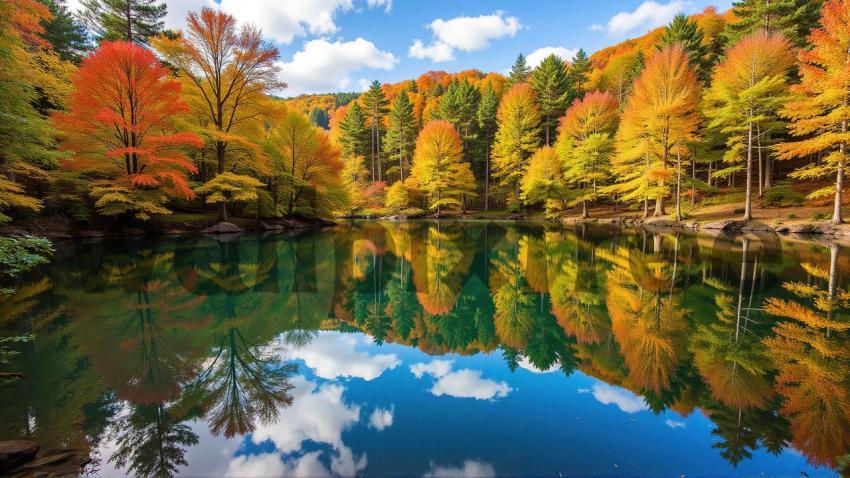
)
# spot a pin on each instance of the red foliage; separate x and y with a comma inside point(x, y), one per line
point(121, 120)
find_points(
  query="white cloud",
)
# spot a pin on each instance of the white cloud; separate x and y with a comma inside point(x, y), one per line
point(469, 469)
point(648, 15)
point(583, 390)
point(536, 57)
point(463, 383)
point(436, 51)
point(264, 464)
point(386, 4)
point(381, 418)
point(622, 398)
point(435, 368)
point(675, 424)
point(344, 463)
point(465, 34)
point(332, 355)
point(468, 383)
point(526, 364)
point(318, 413)
point(597, 27)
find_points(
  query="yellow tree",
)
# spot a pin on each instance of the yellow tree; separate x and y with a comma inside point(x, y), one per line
point(439, 168)
point(821, 111)
point(585, 144)
point(746, 92)
point(517, 137)
point(658, 122)
point(544, 180)
point(228, 70)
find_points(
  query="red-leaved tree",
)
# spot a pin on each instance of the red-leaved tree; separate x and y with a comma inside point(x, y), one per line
point(120, 131)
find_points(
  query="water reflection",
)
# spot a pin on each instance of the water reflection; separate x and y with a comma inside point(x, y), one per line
point(148, 350)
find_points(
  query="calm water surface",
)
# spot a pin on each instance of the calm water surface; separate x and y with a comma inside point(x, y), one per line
point(426, 349)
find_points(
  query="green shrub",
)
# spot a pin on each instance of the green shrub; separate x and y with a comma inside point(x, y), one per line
point(783, 195)
point(819, 217)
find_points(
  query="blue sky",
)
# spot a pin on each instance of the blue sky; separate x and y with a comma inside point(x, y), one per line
point(341, 45)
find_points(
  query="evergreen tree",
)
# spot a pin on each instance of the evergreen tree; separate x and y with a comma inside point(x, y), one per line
point(636, 69)
point(354, 137)
point(792, 18)
point(401, 135)
point(65, 33)
point(689, 35)
point(127, 20)
point(487, 109)
point(519, 72)
point(319, 117)
point(578, 74)
point(459, 106)
point(550, 83)
point(375, 104)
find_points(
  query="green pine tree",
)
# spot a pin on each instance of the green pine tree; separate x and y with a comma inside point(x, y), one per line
point(793, 18)
point(487, 125)
point(401, 136)
point(685, 32)
point(65, 33)
point(319, 117)
point(519, 72)
point(550, 83)
point(375, 104)
point(459, 106)
point(354, 136)
point(578, 74)
point(128, 20)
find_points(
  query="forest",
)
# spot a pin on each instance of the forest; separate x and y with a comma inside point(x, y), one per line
point(109, 117)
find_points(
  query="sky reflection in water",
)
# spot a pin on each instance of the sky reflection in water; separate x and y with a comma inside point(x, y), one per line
point(427, 349)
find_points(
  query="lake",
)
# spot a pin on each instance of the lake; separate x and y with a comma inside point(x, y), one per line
point(437, 349)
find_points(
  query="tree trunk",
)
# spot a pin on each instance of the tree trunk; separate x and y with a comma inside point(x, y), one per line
point(761, 163)
point(837, 217)
point(678, 186)
point(748, 205)
point(584, 213)
point(487, 179)
point(219, 155)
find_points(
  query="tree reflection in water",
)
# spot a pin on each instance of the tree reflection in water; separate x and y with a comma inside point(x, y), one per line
point(752, 332)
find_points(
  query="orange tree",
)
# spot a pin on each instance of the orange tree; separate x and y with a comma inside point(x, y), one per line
point(120, 130)
point(821, 111)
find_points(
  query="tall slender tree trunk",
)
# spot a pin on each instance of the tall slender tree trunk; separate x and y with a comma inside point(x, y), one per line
point(487, 178)
point(761, 162)
point(645, 197)
point(584, 213)
point(219, 156)
point(678, 185)
point(748, 205)
point(659, 201)
point(837, 217)
point(129, 17)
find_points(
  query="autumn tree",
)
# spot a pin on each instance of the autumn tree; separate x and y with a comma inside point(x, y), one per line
point(134, 21)
point(686, 33)
point(520, 71)
point(586, 144)
point(658, 122)
point(517, 137)
point(550, 83)
point(487, 125)
point(820, 111)
point(794, 19)
point(375, 105)
point(307, 169)
point(747, 91)
point(120, 129)
point(543, 182)
point(438, 166)
point(229, 70)
point(26, 138)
